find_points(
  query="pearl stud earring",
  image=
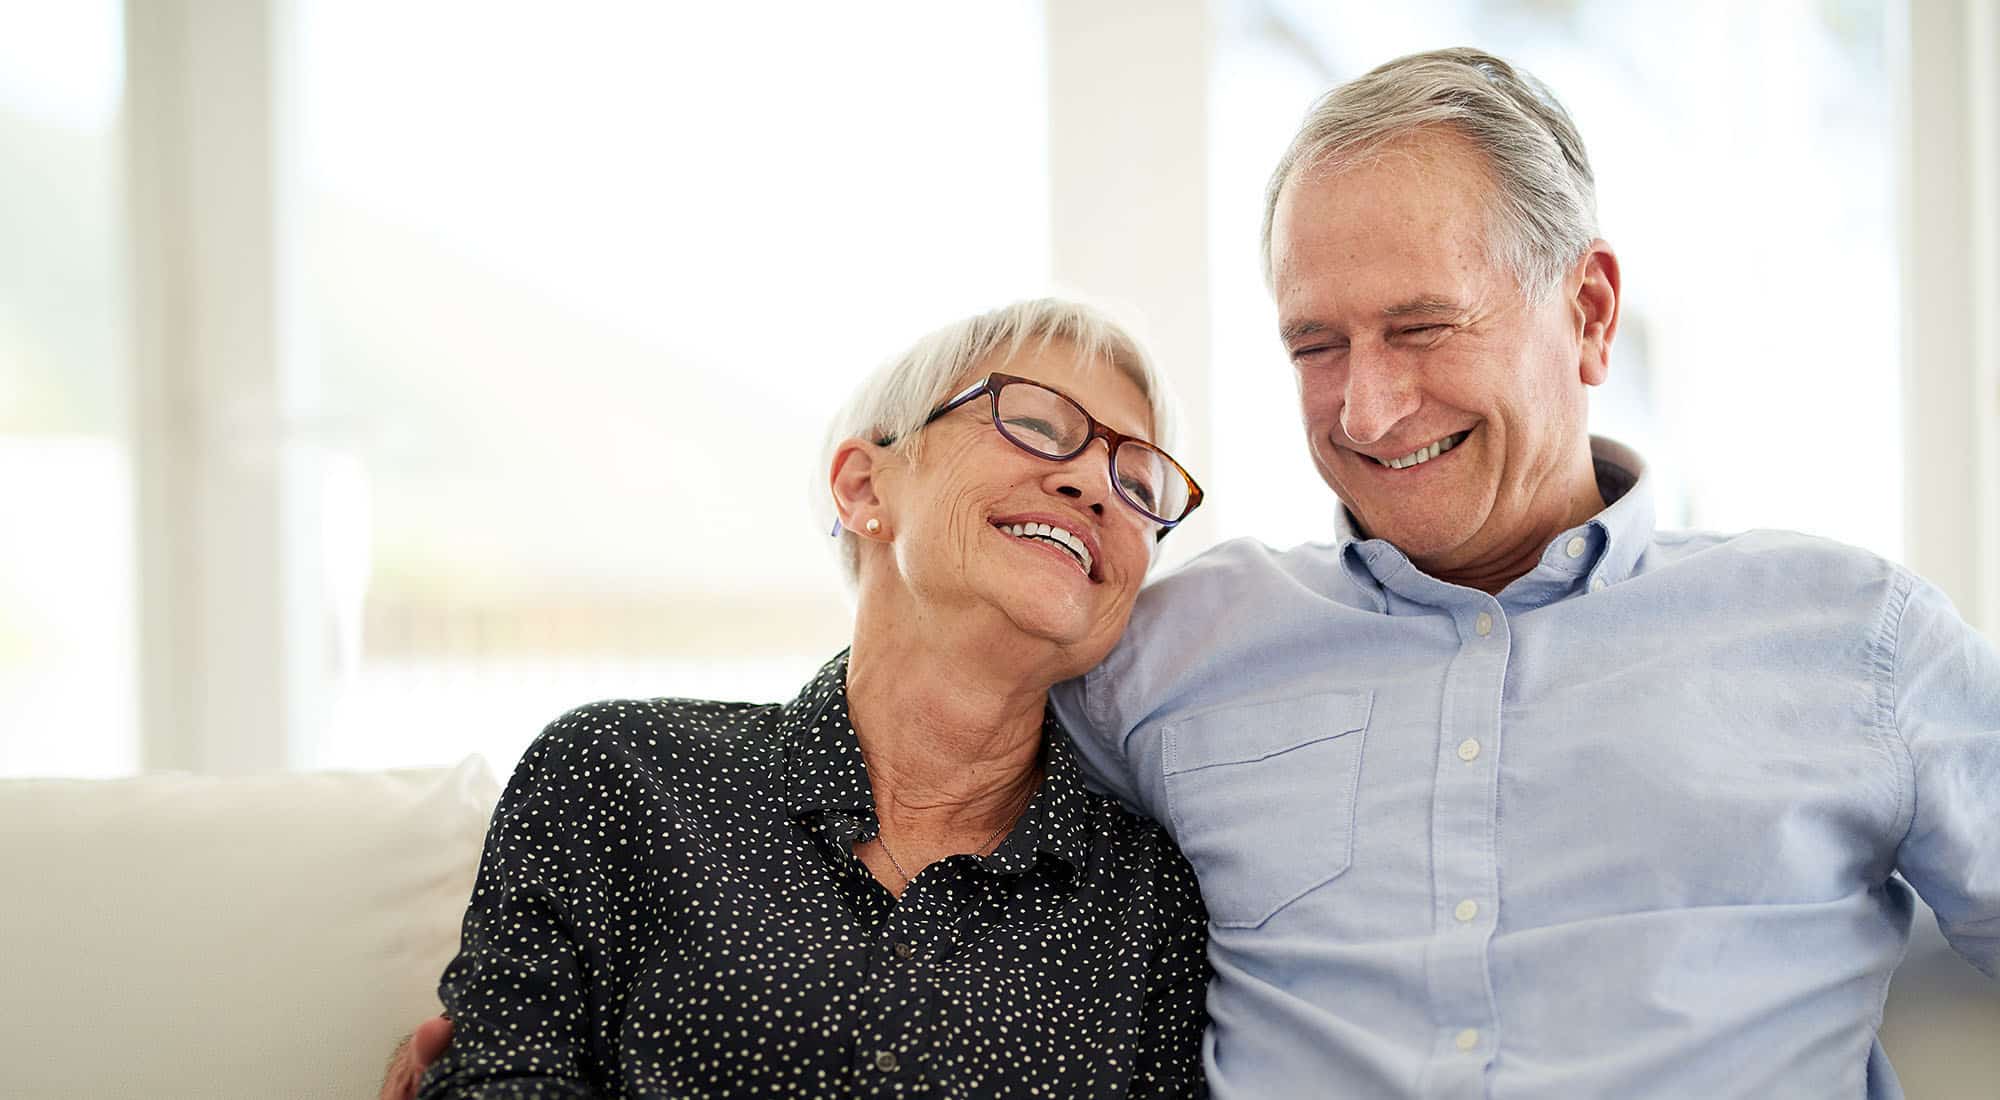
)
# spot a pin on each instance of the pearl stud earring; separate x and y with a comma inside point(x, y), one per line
point(873, 525)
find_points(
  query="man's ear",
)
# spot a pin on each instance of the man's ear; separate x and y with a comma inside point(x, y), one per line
point(855, 479)
point(1594, 311)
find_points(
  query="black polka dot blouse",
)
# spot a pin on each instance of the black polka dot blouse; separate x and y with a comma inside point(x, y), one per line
point(668, 906)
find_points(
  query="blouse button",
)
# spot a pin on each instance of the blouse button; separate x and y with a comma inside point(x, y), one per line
point(885, 1060)
point(905, 952)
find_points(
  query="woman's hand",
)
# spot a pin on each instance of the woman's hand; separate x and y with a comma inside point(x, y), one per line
point(413, 1056)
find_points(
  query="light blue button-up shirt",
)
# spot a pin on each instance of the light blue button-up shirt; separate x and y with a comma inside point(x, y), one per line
point(1632, 828)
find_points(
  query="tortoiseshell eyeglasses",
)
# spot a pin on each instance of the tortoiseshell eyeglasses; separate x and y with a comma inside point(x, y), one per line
point(1048, 423)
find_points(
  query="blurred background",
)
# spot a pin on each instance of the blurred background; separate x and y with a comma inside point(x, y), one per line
point(377, 381)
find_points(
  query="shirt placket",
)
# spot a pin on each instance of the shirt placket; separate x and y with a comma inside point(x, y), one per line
point(1465, 873)
point(894, 1056)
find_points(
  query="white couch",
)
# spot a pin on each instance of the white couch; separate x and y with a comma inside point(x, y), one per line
point(187, 936)
point(272, 937)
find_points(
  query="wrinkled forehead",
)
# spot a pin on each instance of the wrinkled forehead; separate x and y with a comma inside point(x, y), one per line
point(1406, 225)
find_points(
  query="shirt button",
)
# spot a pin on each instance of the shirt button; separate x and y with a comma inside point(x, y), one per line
point(905, 952)
point(1466, 910)
point(1597, 584)
point(1576, 546)
point(885, 1060)
point(1483, 624)
point(1468, 750)
point(1468, 1038)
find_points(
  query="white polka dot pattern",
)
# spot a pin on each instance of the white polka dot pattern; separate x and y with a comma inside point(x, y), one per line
point(668, 905)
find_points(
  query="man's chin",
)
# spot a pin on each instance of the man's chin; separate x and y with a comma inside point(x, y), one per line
point(1419, 538)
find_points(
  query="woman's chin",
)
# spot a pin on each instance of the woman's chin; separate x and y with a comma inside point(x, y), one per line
point(1076, 639)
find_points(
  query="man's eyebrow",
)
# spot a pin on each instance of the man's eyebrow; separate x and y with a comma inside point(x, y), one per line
point(1426, 306)
point(1299, 330)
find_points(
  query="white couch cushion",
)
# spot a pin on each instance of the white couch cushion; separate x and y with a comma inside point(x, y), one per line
point(258, 936)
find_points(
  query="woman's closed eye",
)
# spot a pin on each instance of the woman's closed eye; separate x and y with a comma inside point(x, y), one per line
point(1140, 491)
point(1030, 425)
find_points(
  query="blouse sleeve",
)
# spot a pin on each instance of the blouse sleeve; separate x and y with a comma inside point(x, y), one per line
point(1175, 1016)
point(515, 992)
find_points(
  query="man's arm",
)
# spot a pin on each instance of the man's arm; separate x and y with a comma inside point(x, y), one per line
point(1947, 711)
point(1099, 755)
point(413, 1056)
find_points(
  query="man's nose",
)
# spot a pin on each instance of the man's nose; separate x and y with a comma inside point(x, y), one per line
point(1379, 394)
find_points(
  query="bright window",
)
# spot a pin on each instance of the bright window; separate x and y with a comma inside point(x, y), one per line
point(584, 286)
point(68, 701)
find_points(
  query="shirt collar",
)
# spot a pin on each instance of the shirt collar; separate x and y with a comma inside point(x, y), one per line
point(1613, 539)
point(823, 772)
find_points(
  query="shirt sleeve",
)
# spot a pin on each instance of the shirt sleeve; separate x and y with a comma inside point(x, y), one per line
point(1947, 709)
point(1174, 1018)
point(1166, 661)
point(1098, 755)
point(515, 992)
point(1110, 758)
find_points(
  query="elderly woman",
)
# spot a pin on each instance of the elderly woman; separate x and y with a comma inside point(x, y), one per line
point(895, 883)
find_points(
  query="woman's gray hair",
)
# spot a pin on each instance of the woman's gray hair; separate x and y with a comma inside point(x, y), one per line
point(1544, 199)
point(893, 403)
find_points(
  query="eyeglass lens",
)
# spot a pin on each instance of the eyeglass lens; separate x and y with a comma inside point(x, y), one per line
point(1049, 423)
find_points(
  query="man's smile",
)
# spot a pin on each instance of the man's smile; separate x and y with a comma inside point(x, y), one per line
point(1422, 454)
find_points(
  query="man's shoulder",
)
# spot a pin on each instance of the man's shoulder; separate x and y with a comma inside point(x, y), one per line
point(1769, 576)
point(1787, 559)
point(1227, 605)
point(1237, 571)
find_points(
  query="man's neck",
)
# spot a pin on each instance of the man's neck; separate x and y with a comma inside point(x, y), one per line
point(1501, 560)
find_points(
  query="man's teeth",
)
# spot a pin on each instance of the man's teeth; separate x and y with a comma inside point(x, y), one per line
point(1056, 535)
point(1424, 454)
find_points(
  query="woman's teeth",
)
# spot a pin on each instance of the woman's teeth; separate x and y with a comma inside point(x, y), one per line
point(1055, 535)
point(1424, 454)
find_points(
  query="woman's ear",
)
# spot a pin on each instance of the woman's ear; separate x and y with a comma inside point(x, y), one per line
point(856, 481)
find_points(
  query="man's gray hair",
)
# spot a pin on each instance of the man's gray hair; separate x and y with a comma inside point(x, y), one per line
point(893, 403)
point(1544, 200)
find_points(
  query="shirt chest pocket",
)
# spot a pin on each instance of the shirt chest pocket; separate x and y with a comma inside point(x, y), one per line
point(1261, 798)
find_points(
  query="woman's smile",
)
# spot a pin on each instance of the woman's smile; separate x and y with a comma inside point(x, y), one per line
point(1071, 542)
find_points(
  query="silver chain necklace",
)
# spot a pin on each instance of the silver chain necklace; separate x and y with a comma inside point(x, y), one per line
point(882, 840)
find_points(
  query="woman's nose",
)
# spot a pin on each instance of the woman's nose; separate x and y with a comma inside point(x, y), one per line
point(1085, 478)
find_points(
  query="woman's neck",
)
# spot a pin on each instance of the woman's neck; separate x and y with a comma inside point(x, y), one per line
point(951, 730)
point(949, 719)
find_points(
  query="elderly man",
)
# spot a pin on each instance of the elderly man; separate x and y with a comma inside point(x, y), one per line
point(1506, 793)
